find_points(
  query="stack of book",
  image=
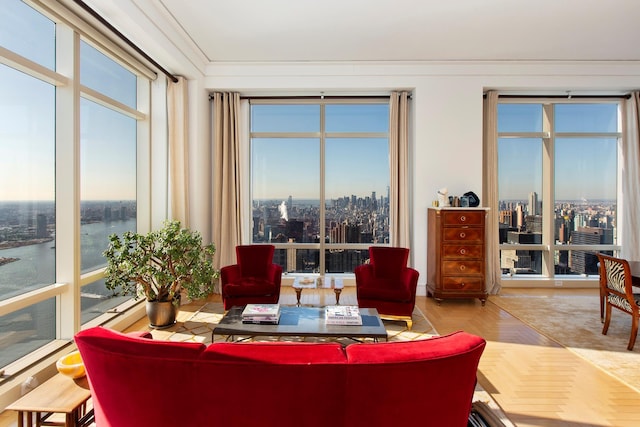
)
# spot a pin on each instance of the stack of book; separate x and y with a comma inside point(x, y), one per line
point(261, 313)
point(343, 315)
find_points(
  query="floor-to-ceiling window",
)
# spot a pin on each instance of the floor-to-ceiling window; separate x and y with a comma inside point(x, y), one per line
point(71, 111)
point(320, 181)
point(558, 184)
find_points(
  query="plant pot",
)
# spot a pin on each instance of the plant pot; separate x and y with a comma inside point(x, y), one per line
point(161, 314)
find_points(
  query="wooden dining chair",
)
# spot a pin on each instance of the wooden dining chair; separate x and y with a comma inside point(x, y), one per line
point(618, 293)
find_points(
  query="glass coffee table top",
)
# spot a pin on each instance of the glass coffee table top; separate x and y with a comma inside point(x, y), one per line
point(301, 322)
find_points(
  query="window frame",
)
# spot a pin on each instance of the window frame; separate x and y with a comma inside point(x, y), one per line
point(322, 136)
point(548, 246)
point(69, 280)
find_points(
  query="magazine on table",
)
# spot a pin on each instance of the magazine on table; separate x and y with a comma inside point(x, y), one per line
point(261, 310)
point(262, 320)
point(343, 315)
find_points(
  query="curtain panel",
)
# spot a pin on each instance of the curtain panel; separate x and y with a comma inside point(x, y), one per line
point(399, 168)
point(629, 230)
point(178, 140)
point(227, 185)
point(490, 191)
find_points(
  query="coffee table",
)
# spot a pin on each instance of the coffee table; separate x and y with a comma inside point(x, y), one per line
point(301, 322)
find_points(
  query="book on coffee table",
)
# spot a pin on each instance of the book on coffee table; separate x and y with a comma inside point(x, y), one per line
point(262, 320)
point(261, 313)
point(343, 315)
point(261, 310)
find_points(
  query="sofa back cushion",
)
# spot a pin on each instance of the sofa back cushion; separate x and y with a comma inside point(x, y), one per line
point(281, 380)
point(391, 380)
point(128, 375)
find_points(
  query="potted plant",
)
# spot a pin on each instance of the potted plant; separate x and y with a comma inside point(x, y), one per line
point(159, 266)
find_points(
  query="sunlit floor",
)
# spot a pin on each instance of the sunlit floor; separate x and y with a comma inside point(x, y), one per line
point(535, 380)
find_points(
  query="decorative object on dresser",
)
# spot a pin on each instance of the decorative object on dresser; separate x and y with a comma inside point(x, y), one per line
point(456, 253)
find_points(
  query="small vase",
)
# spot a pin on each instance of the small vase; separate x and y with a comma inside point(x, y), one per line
point(161, 314)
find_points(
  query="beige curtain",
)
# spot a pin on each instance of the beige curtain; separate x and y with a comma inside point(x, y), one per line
point(227, 197)
point(630, 230)
point(399, 164)
point(490, 191)
point(177, 112)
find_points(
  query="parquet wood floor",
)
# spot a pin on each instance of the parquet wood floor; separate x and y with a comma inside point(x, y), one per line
point(535, 380)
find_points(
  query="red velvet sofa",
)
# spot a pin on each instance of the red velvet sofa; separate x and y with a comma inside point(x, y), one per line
point(137, 381)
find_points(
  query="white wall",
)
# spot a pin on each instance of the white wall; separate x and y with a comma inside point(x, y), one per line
point(447, 109)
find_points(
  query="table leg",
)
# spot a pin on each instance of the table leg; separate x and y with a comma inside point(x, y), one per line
point(298, 294)
point(337, 292)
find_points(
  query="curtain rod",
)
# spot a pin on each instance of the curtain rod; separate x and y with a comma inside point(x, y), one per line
point(115, 31)
point(569, 96)
point(315, 97)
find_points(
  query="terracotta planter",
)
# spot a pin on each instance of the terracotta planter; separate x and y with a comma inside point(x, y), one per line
point(161, 314)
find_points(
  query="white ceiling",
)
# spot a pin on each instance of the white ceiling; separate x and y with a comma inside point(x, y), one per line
point(385, 30)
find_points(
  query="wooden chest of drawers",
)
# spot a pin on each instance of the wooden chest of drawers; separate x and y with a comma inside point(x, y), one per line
point(456, 253)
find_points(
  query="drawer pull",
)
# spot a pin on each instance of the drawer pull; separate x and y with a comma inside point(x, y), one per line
point(462, 268)
point(463, 234)
point(463, 218)
point(461, 285)
point(463, 251)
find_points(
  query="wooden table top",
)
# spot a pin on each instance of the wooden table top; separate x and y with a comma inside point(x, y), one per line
point(59, 394)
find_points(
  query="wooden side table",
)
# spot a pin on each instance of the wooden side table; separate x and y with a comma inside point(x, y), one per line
point(326, 282)
point(60, 394)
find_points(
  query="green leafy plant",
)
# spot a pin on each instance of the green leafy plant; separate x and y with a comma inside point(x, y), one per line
point(160, 264)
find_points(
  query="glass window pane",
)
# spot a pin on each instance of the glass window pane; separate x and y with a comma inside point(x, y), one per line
point(357, 118)
point(29, 328)
point(586, 190)
point(285, 189)
point(357, 193)
point(27, 177)
point(296, 260)
point(344, 260)
point(586, 117)
point(28, 33)
point(520, 184)
point(103, 74)
point(96, 299)
point(519, 117)
point(516, 262)
point(285, 118)
point(108, 179)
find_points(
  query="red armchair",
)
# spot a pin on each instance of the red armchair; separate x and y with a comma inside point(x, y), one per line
point(253, 280)
point(387, 284)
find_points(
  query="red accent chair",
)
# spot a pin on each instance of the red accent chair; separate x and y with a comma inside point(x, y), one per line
point(255, 279)
point(387, 284)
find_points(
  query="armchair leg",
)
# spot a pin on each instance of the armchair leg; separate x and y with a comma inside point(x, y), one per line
point(406, 319)
point(634, 333)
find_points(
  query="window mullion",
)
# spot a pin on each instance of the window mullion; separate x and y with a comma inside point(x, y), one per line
point(548, 190)
point(321, 226)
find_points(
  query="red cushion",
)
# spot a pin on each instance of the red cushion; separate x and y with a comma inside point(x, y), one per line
point(282, 381)
point(254, 259)
point(385, 289)
point(436, 375)
point(249, 286)
point(388, 262)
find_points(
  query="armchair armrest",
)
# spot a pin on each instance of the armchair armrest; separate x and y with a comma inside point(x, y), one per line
point(229, 274)
point(274, 274)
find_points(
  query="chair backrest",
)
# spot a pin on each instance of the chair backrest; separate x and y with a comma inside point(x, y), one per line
point(387, 261)
point(617, 282)
point(254, 260)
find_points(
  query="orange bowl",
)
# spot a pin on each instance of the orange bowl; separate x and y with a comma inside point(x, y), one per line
point(71, 365)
